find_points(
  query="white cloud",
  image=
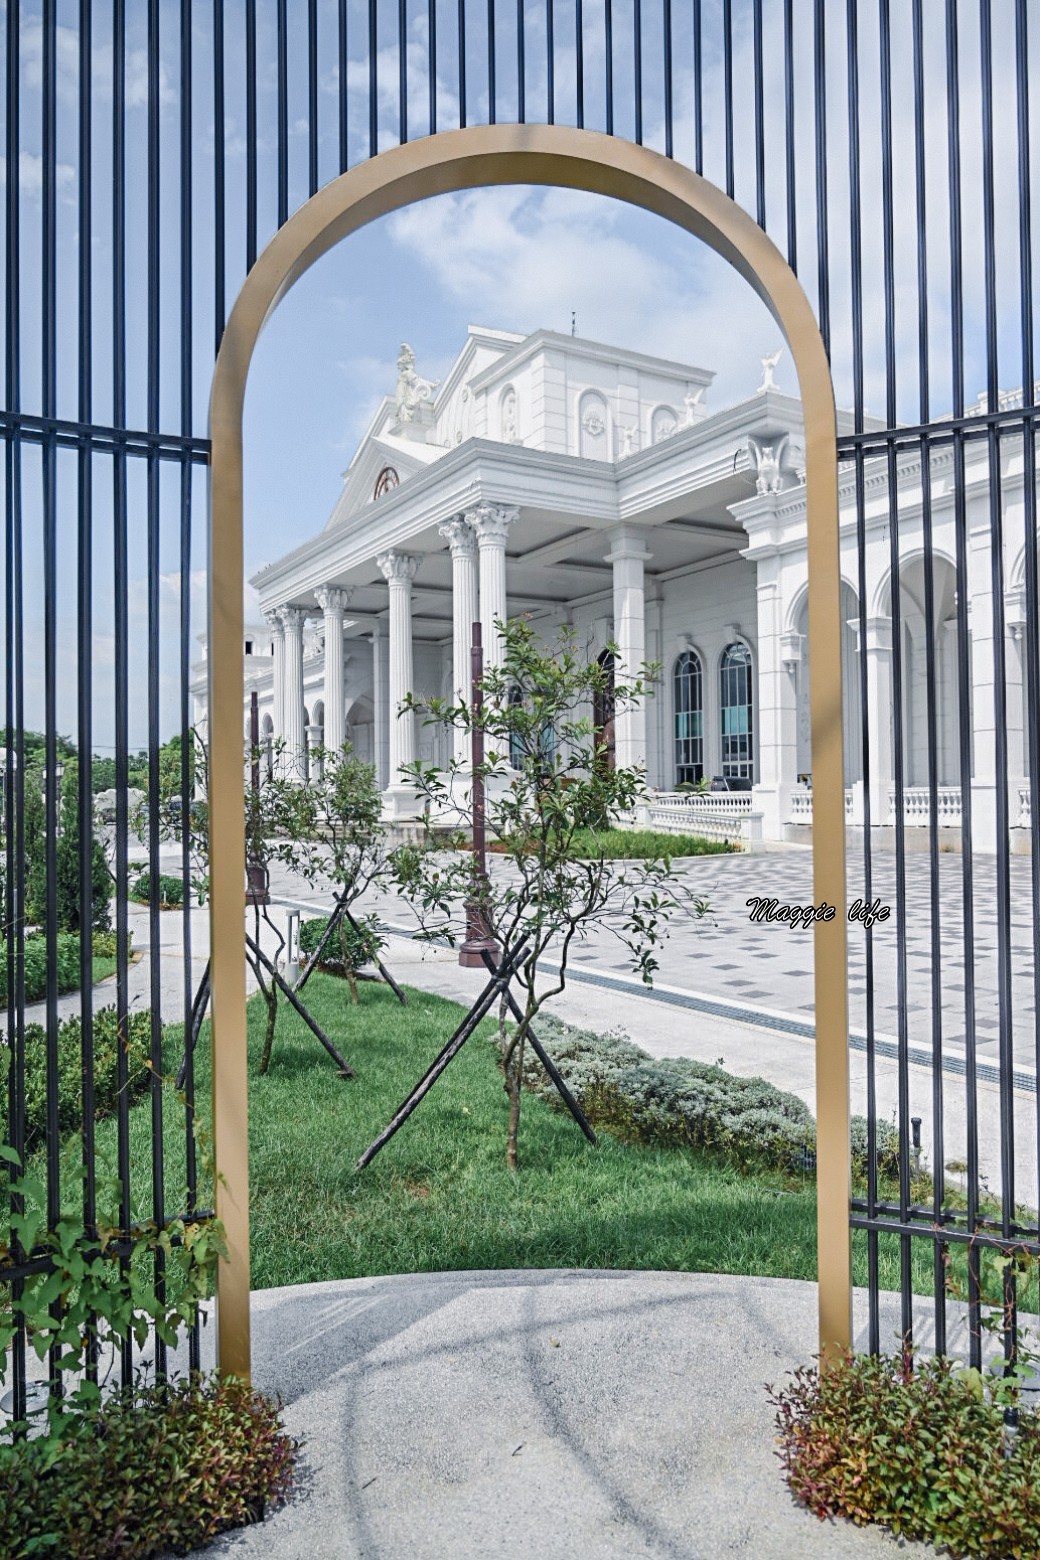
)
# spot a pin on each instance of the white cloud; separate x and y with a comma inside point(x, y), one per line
point(524, 259)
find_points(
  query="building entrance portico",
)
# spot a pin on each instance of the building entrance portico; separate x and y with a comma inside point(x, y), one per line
point(582, 484)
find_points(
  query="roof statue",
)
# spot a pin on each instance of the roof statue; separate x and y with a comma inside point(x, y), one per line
point(413, 391)
point(768, 364)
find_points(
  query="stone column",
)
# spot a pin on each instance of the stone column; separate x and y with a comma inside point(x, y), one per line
point(278, 631)
point(879, 716)
point(490, 524)
point(780, 660)
point(380, 710)
point(292, 621)
point(628, 554)
point(464, 615)
point(399, 570)
point(983, 704)
point(333, 602)
point(1015, 624)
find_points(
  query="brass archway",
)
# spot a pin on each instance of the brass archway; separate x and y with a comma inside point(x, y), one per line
point(466, 159)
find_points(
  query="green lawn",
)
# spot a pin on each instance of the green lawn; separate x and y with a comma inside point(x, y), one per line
point(439, 1196)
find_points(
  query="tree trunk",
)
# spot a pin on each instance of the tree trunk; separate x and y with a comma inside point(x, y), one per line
point(271, 998)
point(514, 1082)
point(348, 968)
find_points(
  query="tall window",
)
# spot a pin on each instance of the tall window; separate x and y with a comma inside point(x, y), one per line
point(737, 713)
point(687, 683)
point(546, 737)
point(603, 713)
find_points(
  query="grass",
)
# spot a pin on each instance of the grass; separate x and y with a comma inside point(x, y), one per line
point(439, 1196)
point(639, 844)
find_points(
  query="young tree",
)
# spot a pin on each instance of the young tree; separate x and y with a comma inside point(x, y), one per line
point(330, 832)
point(547, 779)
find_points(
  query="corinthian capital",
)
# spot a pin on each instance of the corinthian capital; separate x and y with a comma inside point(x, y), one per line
point(292, 618)
point(273, 619)
point(397, 566)
point(333, 598)
point(459, 535)
point(490, 523)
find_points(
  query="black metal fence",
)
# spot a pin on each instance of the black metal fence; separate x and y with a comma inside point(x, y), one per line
point(153, 148)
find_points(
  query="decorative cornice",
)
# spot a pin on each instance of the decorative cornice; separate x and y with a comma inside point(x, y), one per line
point(397, 568)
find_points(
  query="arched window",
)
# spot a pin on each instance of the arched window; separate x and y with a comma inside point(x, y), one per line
point(688, 687)
point(737, 714)
point(386, 481)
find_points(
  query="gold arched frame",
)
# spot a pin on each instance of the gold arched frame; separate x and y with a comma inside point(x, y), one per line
point(459, 160)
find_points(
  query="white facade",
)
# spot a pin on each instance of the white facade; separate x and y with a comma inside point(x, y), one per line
point(582, 484)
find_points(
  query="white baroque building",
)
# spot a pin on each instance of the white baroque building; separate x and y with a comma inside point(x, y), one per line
point(579, 483)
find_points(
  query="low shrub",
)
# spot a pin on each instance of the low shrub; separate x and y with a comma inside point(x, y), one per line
point(681, 1101)
point(644, 844)
point(918, 1446)
point(157, 1469)
point(107, 1047)
point(171, 890)
point(363, 945)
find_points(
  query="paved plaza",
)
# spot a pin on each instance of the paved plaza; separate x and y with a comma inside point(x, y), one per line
point(764, 972)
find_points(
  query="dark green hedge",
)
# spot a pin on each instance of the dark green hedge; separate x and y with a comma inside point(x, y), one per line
point(104, 946)
point(70, 1084)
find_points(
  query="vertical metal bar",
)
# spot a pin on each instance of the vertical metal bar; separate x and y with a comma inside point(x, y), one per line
point(669, 141)
point(461, 16)
point(789, 137)
point(187, 356)
point(760, 115)
point(898, 718)
point(120, 582)
point(14, 769)
point(637, 67)
point(1032, 574)
point(963, 668)
point(219, 213)
point(402, 69)
point(823, 305)
point(608, 61)
point(698, 88)
point(282, 72)
point(250, 133)
point(373, 79)
point(931, 703)
point(550, 62)
point(344, 159)
point(727, 69)
point(312, 96)
point(153, 520)
point(431, 15)
point(491, 60)
point(85, 799)
point(579, 62)
point(1000, 735)
point(521, 62)
point(856, 270)
point(48, 305)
